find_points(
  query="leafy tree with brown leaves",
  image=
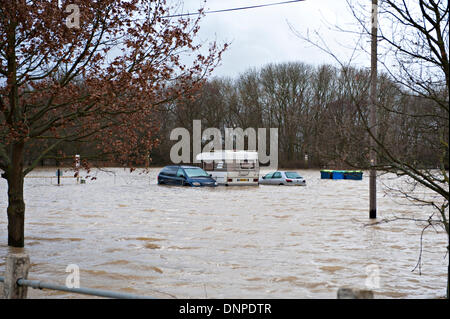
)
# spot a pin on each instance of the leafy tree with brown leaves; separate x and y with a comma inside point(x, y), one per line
point(84, 71)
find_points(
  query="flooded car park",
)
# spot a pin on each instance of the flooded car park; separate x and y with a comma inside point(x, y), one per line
point(128, 234)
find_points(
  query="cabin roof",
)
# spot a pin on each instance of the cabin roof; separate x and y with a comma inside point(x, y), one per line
point(227, 155)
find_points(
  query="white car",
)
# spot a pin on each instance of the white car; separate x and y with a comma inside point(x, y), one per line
point(283, 178)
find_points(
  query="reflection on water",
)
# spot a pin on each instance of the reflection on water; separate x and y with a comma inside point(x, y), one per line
point(128, 234)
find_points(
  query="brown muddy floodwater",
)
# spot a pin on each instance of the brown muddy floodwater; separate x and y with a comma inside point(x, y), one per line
point(128, 234)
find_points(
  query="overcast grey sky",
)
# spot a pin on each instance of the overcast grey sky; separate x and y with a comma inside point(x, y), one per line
point(262, 35)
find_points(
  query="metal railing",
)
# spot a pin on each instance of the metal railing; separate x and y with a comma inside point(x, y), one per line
point(37, 284)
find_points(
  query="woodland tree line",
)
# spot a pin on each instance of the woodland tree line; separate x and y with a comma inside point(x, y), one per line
point(319, 112)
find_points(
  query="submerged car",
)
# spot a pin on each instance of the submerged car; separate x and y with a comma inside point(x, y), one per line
point(185, 176)
point(283, 178)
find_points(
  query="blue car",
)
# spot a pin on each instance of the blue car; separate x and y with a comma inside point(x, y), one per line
point(185, 176)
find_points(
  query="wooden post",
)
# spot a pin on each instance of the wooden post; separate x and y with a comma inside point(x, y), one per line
point(17, 266)
point(348, 293)
point(58, 174)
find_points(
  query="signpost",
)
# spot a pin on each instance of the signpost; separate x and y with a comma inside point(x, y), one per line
point(77, 167)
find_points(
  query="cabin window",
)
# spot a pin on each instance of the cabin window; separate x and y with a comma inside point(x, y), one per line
point(214, 166)
point(245, 164)
point(208, 166)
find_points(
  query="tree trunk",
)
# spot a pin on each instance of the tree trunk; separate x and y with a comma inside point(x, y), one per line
point(16, 204)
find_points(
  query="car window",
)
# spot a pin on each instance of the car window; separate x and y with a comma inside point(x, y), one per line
point(269, 175)
point(276, 175)
point(169, 171)
point(292, 175)
point(196, 172)
point(180, 173)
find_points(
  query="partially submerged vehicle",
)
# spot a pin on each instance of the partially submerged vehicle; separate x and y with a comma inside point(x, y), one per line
point(231, 168)
point(185, 176)
point(341, 174)
point(283, 178)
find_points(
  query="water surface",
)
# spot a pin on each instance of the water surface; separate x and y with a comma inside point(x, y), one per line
point(128, 234)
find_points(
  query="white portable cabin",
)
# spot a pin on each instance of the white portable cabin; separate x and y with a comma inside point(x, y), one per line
point(231, 167)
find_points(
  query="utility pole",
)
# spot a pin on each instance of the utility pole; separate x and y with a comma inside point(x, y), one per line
point(373, 113)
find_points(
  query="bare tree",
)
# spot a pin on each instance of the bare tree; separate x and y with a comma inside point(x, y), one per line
point(414, 47)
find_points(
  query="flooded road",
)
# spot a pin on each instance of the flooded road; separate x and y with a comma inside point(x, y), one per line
point(128, 234)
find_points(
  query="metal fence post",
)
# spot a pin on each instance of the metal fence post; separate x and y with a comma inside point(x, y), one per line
point(17, 266)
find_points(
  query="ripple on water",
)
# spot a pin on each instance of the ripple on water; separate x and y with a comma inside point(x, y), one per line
point(331, 269)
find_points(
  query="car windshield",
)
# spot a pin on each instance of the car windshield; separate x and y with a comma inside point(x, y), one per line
point(195, 172)
point(292, 175)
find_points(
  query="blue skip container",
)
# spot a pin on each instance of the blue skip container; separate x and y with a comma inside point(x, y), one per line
point(331, 174)
point(338, 175)
point(355, 175)
point(325, 174)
